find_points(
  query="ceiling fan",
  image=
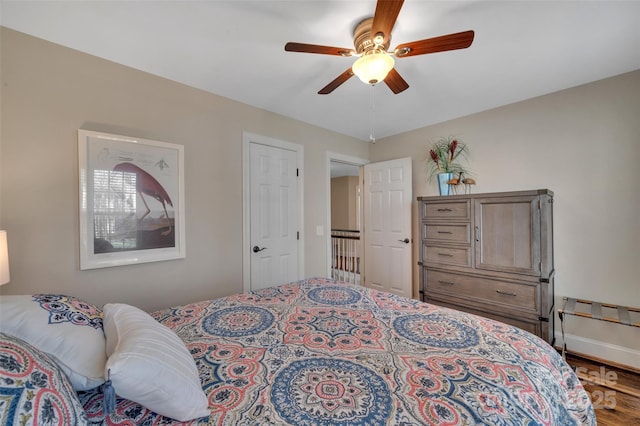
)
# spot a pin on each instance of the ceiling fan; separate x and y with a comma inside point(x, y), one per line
point(371, 39)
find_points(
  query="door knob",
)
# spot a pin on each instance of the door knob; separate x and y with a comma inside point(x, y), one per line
point(406, 241)
point(257, 249)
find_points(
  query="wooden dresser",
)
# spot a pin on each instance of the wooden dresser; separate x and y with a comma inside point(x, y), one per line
point(490, 254)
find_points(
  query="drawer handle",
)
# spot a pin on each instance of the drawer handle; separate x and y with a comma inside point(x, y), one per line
point(506, 293)
point(445, 210)
point(445, 282)
point(445, 254)
point(445, 232)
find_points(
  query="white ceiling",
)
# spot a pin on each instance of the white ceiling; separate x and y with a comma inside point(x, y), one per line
point(235, 49)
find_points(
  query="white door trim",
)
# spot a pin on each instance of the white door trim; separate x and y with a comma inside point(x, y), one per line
point(247, 139)
point(334, 156)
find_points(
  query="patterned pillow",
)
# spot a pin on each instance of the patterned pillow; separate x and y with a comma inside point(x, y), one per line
point(33, 390)
point(67, 329)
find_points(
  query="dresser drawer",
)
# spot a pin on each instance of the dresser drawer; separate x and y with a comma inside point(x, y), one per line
point(450, 233)
point(447, 255)
point(496, 292)
point(534, 327)
point(446, 210)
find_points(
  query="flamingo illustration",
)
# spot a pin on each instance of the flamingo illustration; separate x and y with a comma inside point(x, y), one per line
point(148, 185)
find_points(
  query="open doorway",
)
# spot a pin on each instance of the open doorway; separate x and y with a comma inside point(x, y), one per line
point(345, 260)
point(382, 257)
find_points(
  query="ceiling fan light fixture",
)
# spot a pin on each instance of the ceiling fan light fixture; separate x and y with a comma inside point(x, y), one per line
point(372, 67)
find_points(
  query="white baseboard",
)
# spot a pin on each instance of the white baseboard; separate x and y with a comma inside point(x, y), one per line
point(605, 351)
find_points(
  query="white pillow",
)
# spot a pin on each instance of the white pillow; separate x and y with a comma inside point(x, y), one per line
point(67, 329)
point(149, 364)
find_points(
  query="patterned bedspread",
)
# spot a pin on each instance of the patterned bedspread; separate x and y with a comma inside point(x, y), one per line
point(317, 352)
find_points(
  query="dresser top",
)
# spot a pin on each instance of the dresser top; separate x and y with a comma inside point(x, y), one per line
point(488, 195)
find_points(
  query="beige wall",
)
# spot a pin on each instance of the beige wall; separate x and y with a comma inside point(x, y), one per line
point(49, 92)
point(339, 203)
point(583, 144)
point(344, 203)
point(353, 183)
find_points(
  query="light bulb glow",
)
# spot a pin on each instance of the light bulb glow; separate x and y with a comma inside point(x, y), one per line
point(373, 67)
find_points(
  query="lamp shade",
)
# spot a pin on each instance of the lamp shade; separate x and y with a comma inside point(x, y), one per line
point(373, 67)
point(4, 258)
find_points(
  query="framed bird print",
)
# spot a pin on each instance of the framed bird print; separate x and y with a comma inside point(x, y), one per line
point(131, 200)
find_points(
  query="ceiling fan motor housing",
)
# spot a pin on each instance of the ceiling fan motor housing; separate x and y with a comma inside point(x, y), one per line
point(362, 39)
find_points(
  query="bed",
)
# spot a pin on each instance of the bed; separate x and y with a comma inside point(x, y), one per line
point(321, 352)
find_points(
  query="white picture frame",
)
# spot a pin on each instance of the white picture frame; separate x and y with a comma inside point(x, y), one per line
point(131, 199)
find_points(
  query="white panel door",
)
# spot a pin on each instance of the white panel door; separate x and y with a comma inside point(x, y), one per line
point(387, 226)
point(274, 216)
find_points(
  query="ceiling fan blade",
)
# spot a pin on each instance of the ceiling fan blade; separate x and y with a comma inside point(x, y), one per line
point(436, 44)
point(336, 82)
point(395, 82)
point(385, 18)
point(315, 48)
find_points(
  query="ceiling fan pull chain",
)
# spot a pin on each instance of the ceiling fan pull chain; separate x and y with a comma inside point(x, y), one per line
point(372, 119)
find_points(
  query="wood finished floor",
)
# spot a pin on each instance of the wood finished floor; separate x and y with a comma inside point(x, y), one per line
point(614, 391)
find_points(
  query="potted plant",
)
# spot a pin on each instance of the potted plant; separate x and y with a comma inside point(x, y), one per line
point(444, 162)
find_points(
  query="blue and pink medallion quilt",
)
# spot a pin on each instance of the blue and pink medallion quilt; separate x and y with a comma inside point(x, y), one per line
point(320, 352)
